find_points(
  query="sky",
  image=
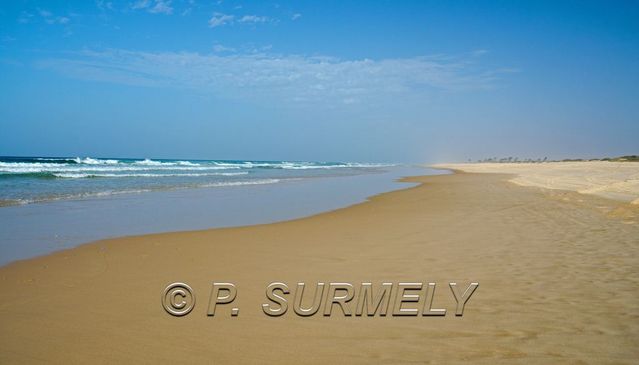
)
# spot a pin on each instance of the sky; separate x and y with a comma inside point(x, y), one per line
point(375, 81)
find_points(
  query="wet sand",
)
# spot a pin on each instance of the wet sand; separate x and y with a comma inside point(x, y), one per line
point(558, 274)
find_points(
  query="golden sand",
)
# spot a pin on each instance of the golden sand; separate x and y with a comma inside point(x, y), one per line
point(558, 274)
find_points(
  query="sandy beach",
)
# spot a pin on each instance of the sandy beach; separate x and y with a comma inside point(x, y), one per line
point(558, 273)
point(613, 180)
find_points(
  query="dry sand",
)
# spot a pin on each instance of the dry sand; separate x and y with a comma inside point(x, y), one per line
point(558, 274)
point(613, 180)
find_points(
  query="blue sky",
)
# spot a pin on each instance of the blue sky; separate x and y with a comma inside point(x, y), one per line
point(330, 80)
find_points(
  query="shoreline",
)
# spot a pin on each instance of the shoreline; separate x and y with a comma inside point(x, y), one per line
point(403, 179)
point(466, 227)
point(37, 229)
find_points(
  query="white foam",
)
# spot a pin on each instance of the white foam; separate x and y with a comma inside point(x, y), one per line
point(88, 164)
point(26, 168)
point(187, 163)
point(93, 161)
point(299, 165)
point(240, 183)
point(149, 162)
point(105, 193)
point(81, 176)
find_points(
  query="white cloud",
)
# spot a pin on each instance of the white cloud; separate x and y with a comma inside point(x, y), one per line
point(220, 48)
point(155, 6)
point(104, 5)
point(61, 20)
point(162, 6)
point(220, 19)
point(140, 4)
point(25, 17)
point(296, 16)
point(44, 13)
point(253, 19)
point(479, 52)
point(47, 16)
point(280, 78)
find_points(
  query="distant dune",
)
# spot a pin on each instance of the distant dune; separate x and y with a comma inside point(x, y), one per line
point(613, 180)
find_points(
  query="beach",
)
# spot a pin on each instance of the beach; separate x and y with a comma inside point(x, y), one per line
point(612, 180)
point(558, 273)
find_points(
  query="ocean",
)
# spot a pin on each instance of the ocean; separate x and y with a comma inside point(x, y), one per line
point(51, 204)
point(25, 180)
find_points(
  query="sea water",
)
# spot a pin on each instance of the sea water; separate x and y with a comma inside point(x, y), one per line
point(51, 204)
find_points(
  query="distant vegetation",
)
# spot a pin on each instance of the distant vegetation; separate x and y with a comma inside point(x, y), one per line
point(633, 158)
point(630, 158)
